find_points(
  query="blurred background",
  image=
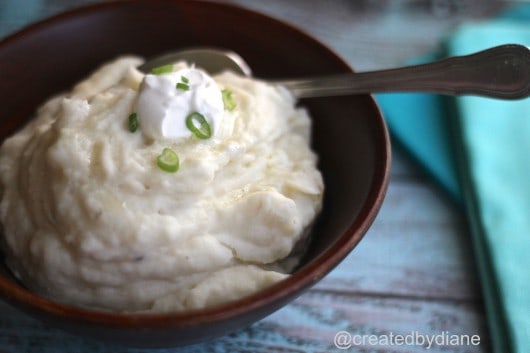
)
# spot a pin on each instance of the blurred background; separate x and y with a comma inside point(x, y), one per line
point(358, 29)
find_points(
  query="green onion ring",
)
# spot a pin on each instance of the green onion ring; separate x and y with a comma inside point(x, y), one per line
point(183, 86)
point(203, 130)
point(168, 161)
point(133, 122)
point(160, 70)
point(228, 100)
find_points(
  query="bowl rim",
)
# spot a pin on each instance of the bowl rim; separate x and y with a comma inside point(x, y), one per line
point(293, 285)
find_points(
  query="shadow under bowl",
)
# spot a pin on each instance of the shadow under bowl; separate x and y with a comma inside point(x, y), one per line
point(349, 135)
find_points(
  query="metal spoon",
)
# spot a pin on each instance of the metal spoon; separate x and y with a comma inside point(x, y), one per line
point(499, 72)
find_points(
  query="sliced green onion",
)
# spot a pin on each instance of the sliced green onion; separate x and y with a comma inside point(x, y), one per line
point(228, 100)
point(168, 161)
point(164, 69)
point(133, 122)
point(182, 86)
point(198, 125)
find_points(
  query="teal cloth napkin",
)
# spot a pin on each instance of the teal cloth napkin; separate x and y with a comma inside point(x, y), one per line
point(488, 149)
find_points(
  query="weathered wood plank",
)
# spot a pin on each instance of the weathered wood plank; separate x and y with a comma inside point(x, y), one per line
point(316, 317)
point(411, 250)
point(309, 324)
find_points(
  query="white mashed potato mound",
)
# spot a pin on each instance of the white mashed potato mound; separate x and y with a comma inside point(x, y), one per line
point(90, 219)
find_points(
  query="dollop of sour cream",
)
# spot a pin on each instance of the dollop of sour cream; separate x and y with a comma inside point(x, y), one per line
point(165, 101)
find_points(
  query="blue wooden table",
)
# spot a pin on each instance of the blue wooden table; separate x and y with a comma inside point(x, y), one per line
point(413, 275)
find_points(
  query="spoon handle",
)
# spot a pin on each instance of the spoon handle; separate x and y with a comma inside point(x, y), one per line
point(500, 72)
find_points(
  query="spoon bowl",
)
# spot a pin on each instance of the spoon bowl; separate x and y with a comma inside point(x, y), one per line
point(213, 60)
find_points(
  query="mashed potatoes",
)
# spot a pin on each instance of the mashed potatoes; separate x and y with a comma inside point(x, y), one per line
point(90, 218)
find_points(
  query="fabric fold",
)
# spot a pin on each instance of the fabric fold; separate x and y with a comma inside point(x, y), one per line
point(479, 151)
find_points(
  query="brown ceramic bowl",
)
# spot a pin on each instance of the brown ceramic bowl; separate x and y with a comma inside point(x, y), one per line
point(349, 135)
